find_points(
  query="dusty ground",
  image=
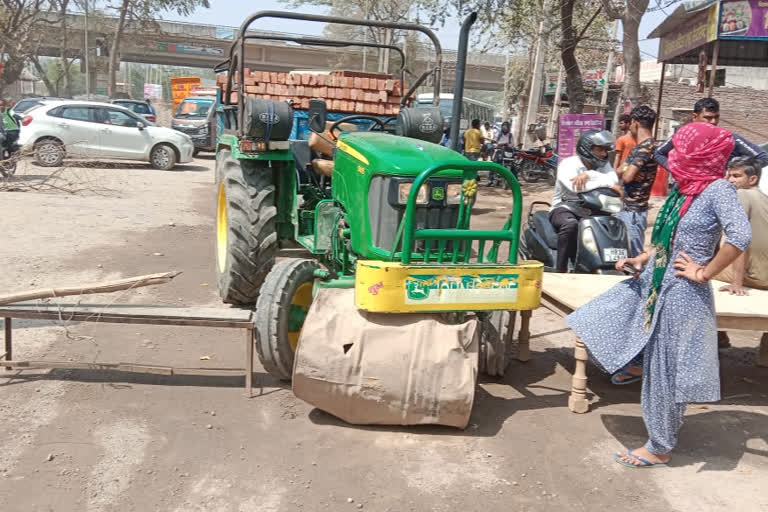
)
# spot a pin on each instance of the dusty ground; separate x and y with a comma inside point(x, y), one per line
point(106, 441)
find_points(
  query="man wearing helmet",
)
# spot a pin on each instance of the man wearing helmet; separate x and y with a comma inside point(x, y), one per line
point(587, 170)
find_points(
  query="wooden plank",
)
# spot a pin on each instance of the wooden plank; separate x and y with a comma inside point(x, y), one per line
point(213, 372)
point(107, 319)
point(125, 367)
point(129, 310)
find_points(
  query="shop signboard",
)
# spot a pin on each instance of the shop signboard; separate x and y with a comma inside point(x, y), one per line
point(743, 19)
point(570, 127)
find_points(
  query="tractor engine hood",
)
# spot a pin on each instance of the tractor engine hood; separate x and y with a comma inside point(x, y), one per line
point(396, 155)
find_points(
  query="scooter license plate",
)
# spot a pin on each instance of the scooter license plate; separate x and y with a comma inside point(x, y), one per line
point(614, 254)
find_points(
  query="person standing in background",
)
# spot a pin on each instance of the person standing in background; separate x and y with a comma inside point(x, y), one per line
point(624, 144)
point(624, 122)
point(637, 173)
point(487, 133)
point(473, 141)
point(707, 110)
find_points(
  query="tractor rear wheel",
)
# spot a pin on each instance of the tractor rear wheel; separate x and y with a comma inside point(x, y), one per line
point(280, 312)
point(497, 347)
point(246, 232)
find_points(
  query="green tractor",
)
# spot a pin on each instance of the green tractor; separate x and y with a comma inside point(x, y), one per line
point(384, 225)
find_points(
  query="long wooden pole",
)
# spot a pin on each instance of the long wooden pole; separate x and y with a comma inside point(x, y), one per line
point(715, 53)
point(105, 287)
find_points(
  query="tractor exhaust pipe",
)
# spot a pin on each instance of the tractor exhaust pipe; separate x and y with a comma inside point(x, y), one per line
point(461, 70)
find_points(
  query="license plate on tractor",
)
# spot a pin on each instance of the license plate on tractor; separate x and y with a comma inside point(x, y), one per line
point(389, 287)
point(614, 254)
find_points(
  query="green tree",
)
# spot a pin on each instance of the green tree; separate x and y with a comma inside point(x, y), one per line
point(22, 25)
point(576, 29)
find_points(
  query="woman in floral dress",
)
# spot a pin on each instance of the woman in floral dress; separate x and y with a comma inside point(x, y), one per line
point(667, 310)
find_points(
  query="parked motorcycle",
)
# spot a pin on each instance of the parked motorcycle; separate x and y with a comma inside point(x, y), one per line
point(602, 239)
point(506, 156)
point(536, 164)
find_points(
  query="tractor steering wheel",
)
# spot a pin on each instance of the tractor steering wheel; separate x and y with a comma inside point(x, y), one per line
point(376, 121)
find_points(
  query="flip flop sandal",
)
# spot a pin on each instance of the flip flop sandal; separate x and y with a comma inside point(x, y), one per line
point(626, 378)
point(645, 463)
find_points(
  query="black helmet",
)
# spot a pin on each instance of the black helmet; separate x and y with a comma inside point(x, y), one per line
point(590, 139)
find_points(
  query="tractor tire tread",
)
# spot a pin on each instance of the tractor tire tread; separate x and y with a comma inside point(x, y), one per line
point(251, 217)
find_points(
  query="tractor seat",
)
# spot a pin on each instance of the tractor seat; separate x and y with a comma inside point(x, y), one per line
point(544, 228)
point(323, 167)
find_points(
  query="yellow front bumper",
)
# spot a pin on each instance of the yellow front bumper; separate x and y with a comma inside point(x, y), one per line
point(389, 287)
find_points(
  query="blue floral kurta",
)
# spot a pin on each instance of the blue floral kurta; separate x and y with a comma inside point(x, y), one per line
point(682, 340)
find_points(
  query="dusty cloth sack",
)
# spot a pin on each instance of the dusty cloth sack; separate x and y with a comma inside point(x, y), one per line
point(385, 369)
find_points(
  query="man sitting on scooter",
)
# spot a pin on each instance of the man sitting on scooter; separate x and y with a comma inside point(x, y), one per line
point(587, 170)
point(503, 141)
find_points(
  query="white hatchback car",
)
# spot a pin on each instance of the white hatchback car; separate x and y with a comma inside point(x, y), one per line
point(100, 130)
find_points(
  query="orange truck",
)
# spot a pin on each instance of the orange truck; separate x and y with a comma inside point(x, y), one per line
point(183, 86)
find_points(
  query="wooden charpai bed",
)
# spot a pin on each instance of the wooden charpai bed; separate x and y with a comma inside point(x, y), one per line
point(563, 293)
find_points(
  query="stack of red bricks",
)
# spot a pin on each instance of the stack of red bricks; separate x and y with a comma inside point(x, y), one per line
point(343, 91)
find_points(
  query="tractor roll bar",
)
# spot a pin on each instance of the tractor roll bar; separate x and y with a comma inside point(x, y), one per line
point(237, 50)
point(509, 233)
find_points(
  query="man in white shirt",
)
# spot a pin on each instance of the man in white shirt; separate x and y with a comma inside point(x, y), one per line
point(587, 170)
point(487, 140)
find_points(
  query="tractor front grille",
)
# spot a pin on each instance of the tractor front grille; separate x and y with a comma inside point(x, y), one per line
point(385, 214)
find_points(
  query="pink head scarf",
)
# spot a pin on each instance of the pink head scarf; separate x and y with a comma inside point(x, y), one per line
point(700, 156)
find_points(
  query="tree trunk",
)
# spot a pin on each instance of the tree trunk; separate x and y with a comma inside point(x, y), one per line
point(576, 95)
point(114, 59)
point(66, 63)
point(43, 76)
point(630, 23)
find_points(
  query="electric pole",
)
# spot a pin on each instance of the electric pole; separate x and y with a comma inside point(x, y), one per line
point(609, 67)
point(538, 68)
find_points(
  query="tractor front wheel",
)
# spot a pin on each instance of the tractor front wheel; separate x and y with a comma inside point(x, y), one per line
point(246, 232)
point(280, 312)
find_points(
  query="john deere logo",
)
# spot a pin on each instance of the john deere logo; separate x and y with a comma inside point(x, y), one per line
point(438, 193)
point(428, 125)
point(269, 118)
point(461, 289)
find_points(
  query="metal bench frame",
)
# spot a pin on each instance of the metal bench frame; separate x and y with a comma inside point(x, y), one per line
point(130, 314)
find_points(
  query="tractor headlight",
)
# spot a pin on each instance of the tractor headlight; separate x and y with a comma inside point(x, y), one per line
point(588, 240)
point(453, 193)
point(404, 190)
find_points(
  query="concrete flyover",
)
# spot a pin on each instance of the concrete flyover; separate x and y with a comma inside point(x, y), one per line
point(196, 45)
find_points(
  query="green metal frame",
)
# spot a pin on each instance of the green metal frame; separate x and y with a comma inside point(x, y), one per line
point(510, 233)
